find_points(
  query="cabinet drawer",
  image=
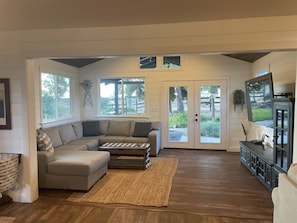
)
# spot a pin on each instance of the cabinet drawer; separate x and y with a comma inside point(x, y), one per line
point(245, 156)
point(254, 163)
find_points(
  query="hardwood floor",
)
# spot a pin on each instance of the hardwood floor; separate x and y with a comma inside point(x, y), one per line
point(209, 186)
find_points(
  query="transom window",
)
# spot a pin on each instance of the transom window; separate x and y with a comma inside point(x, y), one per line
point(122, 96)
point(56, 97)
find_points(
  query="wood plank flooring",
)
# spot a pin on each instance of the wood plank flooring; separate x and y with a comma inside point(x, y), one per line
point(209, 186)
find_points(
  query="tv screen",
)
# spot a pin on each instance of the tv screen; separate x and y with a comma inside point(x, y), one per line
point(259, 95)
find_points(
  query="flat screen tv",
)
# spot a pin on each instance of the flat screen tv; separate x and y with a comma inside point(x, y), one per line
point(259, 95)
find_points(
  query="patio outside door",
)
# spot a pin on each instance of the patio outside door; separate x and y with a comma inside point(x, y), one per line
point(195, 114)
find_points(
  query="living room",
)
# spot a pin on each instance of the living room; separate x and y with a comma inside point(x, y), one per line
point(20, 48)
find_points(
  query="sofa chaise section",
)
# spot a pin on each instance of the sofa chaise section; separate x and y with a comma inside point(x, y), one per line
point(77, 170)
point(62, 165)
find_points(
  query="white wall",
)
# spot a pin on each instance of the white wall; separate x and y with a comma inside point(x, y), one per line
point(16, 47)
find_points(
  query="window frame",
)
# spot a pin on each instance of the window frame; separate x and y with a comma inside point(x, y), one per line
point(122, 98)
point(71, 95)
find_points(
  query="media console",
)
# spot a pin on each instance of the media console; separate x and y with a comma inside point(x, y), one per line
point(265, 162)
point(259, 160)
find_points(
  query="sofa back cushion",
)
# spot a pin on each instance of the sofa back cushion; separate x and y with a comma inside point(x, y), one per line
point(91, 128)
point(78, 129)
point(67, 133)
point(119, 128)
point(103, 125)
point(54, 135)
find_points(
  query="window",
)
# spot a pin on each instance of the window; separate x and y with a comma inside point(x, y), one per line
point(122, 96)
point(170, 62)
point(147, 62)
point(56, 100)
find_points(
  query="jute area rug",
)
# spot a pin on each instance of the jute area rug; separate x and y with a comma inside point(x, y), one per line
point(7, 219)
point(150, 187)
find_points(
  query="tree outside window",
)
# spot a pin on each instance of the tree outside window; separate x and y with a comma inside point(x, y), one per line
point(56, 101)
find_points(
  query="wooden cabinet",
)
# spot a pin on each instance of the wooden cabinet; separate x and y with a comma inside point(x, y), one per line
point(258, 159)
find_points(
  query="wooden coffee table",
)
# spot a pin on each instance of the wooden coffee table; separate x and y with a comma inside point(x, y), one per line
point(128, 155)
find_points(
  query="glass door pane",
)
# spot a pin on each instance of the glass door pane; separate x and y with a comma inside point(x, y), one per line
point(178, 114)
point(189, 121)
point(210, 114)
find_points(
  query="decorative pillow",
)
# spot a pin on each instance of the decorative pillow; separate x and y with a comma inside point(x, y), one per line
point(91, 128)
point(44, 143)
point(119, 128)
point(142, 129)
point(54, 135)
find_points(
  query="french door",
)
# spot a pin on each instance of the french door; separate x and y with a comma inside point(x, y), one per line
point(194, 114)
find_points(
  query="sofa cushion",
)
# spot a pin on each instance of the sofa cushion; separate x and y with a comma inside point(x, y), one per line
point(71, 147)
point(103, 125)
point(119, 128)
point(78, 129)
point(54, 135)
point(142, 129)
point(44, 143)
point(104, 139)
point(78, 163)
point(135, 139)
point(67, 133)
point(91, 128)
point(92, 144)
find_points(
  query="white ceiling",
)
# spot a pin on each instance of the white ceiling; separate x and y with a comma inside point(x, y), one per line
point(47, 14)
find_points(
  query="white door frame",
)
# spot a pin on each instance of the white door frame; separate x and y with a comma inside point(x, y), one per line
point(193, 128)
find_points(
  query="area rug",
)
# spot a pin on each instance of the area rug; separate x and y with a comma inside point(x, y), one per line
point(150, 187)
point(7, 219)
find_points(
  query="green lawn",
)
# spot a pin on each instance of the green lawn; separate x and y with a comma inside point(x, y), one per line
point(260, 114)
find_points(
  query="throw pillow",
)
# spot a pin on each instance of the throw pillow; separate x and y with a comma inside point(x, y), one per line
point(44, 143)
point(142, 129)
point(91, 128)
point(54, 135)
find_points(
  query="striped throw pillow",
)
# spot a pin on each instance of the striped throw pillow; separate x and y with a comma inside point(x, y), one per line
point(44, 143)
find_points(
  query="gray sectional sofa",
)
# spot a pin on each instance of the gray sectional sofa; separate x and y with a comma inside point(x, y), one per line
point(68, 156)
